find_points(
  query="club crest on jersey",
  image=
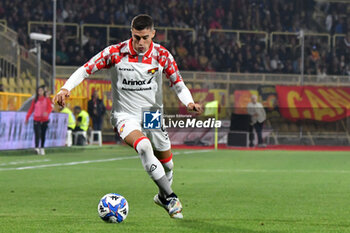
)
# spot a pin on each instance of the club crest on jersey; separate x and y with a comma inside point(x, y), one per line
point(152, 71)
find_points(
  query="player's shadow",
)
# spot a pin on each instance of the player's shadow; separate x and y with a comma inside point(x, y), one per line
point(204, 226)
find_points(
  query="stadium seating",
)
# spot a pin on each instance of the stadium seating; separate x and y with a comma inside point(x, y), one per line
point(12, 86)
point(77, 136)
point(4, 82)
point(238, 46)
point(20, 86)
point(28, 87)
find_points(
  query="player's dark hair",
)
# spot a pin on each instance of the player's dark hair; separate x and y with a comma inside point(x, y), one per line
point(141, 22)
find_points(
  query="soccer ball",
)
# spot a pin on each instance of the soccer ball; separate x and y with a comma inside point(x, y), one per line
point(113, 208)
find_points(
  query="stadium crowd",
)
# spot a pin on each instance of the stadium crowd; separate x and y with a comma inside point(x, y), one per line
point(218, 52)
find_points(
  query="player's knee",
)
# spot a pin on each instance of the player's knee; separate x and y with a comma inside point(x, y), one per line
point(142, 145)
point(150, 163)
point(168, 163)
point(168, 166)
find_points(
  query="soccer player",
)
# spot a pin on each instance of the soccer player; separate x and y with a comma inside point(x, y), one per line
point(137, 65)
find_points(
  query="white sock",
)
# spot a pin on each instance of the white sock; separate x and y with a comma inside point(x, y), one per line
point(149, 161)
point(152, 165)
point(168, 168)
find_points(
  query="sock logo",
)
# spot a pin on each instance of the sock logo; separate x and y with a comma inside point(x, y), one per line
point(152, 168)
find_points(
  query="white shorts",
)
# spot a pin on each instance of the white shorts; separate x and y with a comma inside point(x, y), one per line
point(158, 137)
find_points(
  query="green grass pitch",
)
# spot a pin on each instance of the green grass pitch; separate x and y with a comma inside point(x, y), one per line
point(221, 191)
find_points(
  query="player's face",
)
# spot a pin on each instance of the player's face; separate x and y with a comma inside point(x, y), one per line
point(141, 40)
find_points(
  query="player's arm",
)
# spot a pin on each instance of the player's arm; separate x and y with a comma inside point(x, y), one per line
point(99, 61)
point(185, 96)
point(182, 92)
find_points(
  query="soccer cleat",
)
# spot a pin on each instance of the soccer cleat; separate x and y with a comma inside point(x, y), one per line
point(171, 204)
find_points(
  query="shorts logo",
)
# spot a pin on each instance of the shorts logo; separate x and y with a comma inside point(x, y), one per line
point(152, 119)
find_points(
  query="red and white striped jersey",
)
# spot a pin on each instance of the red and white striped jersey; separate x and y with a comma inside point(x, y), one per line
point(136, 79)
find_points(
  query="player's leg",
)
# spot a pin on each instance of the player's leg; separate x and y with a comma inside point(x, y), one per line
point(130, 131)
point(162, 150)
point(166, 159)
point(156, 171)
point(151, 164)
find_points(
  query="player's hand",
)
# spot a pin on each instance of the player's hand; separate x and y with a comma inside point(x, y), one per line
point(60, 97)
point(194, 107)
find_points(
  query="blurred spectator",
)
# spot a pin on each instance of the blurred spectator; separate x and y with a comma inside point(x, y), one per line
point(315, 56)
point(71, 117)
point(181, 50)
point(275, 63)
point(82, 119)
point(81, 125)
point(71, 125)
point(203, 60)
point(258, 116)
point(321, 73)
point(1, 87)
point(96, 110)
point(339, 27)
point(329, 22)
point(41, 107)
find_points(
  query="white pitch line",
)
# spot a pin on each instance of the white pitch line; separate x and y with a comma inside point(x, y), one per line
point(244, 170)
point(192, 152)
point(25, 161)
point(87, 161)
point(68, 164)
point(179, 169)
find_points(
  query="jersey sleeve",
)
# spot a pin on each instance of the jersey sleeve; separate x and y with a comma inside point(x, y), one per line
point(173, 74)
point(103, 60)
point(170, 67)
